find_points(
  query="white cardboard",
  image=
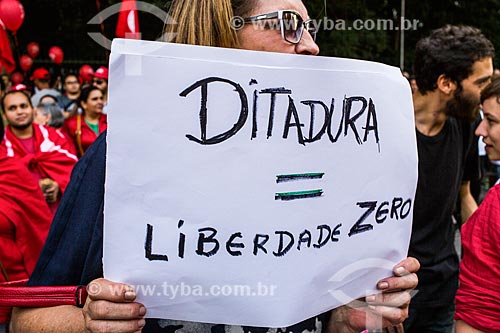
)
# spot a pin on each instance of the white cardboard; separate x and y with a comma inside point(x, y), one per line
point(156, 176)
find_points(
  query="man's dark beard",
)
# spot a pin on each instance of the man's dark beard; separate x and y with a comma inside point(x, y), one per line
point(462, 106)
point(21, 127)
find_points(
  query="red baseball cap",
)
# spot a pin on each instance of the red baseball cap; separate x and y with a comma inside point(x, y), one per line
point(101, 73)
point(19, 87)
point(41, 74)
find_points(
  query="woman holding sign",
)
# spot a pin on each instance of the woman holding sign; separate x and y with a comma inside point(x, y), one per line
point(73, 254)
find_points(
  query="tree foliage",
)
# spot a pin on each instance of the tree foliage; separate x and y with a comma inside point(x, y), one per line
point(64, 23)
point(384, 45)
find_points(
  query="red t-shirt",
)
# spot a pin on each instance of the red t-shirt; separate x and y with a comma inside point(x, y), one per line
point(478, 297)
point(29, 147)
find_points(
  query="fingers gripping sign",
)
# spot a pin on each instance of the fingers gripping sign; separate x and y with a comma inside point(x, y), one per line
point(388, 308)
point(111, 307)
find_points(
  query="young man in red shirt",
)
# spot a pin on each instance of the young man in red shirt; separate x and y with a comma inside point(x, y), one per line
point(46, 153)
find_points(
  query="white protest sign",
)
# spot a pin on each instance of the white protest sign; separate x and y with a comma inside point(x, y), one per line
point(253, 188)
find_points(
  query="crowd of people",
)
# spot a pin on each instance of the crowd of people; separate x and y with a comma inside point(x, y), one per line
point(74, 111)
point(49, 130)
point(38, 150)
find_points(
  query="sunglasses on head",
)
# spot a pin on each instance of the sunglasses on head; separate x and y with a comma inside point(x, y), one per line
point(98, 81)
point(292, 25)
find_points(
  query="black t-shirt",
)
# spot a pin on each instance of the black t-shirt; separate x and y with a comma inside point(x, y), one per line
point(445, 160)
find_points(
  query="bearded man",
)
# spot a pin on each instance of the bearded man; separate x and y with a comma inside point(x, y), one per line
point(451, 68)
point(45, 152)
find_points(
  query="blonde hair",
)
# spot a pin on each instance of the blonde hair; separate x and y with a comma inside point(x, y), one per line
point(206, 22)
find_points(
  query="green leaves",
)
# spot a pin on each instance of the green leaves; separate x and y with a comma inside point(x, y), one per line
point(383, 44)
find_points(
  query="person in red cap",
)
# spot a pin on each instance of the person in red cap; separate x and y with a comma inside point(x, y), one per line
point(19, 87)
point(100, 80)
point(41, 80)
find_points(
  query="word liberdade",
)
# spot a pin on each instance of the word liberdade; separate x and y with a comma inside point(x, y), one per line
point(208, 243)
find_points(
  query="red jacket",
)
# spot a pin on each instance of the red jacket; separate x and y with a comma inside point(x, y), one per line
point(24, 222)
point(88, 136)
point(53, 158)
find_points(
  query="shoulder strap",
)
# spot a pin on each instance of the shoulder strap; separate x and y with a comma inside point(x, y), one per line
point(79, 134)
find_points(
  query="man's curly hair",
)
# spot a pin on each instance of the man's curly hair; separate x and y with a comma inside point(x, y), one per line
point(450, 50)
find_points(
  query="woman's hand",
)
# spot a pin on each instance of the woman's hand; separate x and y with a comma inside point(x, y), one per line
point(110, 308)
point(388, 308)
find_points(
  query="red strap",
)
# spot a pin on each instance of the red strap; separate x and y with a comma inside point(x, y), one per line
point(12, 295)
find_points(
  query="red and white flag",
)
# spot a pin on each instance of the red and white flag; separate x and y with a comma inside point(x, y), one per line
point(6, 58)
point(128, 21)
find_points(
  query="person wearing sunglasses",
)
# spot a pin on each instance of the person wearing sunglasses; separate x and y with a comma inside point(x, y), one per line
point(200, 22)
point(100, 80)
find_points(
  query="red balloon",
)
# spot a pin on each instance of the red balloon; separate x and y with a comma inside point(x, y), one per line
point(86, 72)
point(56, 54)
point(16, 78)
point(11, 14)
point(33, 49)
point(25, 62)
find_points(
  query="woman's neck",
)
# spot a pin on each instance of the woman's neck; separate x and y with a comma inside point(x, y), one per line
point(92, 118)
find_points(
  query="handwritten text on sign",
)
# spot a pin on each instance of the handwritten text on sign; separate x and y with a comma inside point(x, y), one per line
point(232, 170)
point(347, 122)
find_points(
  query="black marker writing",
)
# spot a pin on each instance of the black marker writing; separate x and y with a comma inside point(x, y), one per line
point(354, 108)
point(203, 85)
point(149, 244)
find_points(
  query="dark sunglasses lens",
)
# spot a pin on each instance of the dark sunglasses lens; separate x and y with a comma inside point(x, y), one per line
point(98, 81)
point(293, 26)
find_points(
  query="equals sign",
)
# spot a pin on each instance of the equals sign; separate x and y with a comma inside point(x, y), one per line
point(287, 196)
